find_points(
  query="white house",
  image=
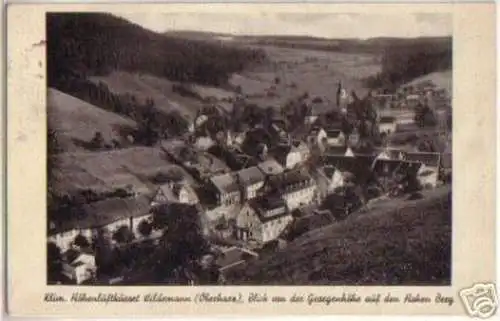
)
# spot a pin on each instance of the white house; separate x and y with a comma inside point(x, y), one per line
point(335, 137)
point(82, 269)
point(297, 189)
point(316, 136)
point(226, 189)
point(109, 214)
point(251, 180)
point(262, 220)
point(387, 125)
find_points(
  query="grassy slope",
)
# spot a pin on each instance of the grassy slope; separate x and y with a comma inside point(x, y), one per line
point(406, 245)
point(72, 118)
point(107, 170)
point(442, 79)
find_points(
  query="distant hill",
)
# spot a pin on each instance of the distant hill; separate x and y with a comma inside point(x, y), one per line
point(409, 245)
point(82, 44)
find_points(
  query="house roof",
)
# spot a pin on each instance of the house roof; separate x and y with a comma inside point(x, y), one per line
point(263, 205)
point(333, 133)
point(225, 183)
point(335, 150)
point(102, 213)
point(315, 130)
point(387, 119)
point(250, 175)
point(427, 158)
point(294, 176)
point(390, 167)
point(270, 167)
point(359, 166)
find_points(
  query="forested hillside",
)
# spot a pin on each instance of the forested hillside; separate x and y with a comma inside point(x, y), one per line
point(403, 61)
point(81, 44)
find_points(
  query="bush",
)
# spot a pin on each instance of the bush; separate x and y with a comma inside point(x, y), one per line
point(81, 241)
point(145, 228)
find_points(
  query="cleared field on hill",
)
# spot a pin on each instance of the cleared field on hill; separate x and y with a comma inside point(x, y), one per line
point(299, 71)
point(107, 171)
point(406, 244)
point(73, 119)
point(146, 86)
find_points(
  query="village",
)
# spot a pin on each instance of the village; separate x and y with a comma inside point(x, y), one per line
point(256, 186)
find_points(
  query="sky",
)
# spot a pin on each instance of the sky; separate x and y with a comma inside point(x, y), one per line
point(325, 25)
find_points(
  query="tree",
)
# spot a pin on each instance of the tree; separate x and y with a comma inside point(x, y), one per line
point(54, 263)
point(123, 235)
point(145, 228)
point(81, 241)
point(182, 241)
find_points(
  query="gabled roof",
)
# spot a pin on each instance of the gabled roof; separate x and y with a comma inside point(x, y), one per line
point(269, 208)
point(427, 158)
point(251, 175)
point(102, 213)
point(335, 150)
point(333, 132)
point(270, 167)
point(225, 183)
point(387, 119)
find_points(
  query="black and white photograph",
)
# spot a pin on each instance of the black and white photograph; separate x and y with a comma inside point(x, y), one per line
point(224, 149)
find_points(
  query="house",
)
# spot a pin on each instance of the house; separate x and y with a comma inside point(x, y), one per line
point(286, 155)
point(428, 174)
point(262, 219)
point(303, 149)
point(175, 192)
point(387, 124)
point(232, 157)
point(80, 267)
point(251, 180)
point(204, 143)
point(335, 137)
point(226, 189)
point(391, 174)
point(109, 214)
point(391, 153)
point(270, 167)
point(336, 150)
point(353, 138)
point(316, 136)
point(233, 257)
point(343, 170)
point(296, 187)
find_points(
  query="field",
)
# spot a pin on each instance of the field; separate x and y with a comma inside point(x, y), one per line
point(75, 120)
point(106, 171)
point(300, 71)
point(393, 244)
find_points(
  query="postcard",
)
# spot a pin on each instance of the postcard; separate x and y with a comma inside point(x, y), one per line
point(251, 159)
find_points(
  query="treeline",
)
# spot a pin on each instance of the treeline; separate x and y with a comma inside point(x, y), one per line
point(403, 62)
point(96, 43)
